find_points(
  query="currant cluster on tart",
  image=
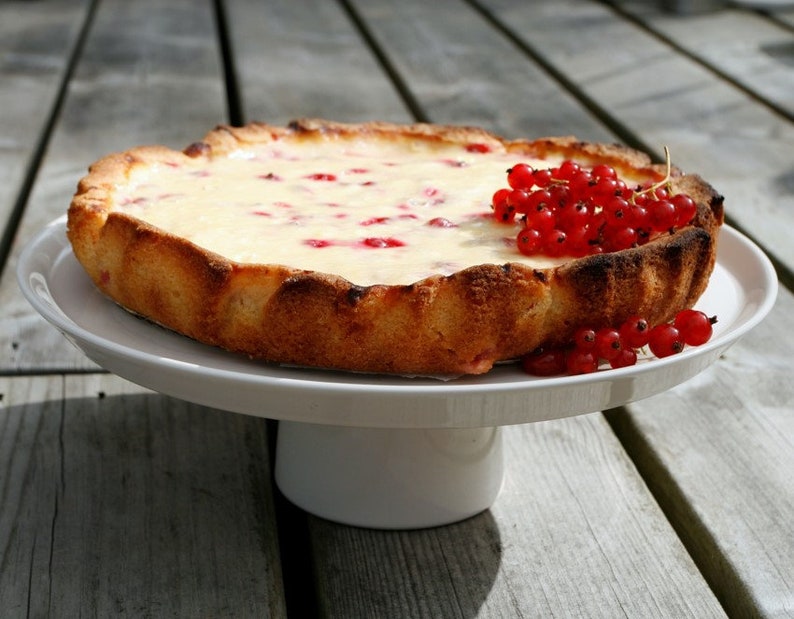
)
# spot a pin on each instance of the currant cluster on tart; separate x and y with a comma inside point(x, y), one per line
point(407, 249)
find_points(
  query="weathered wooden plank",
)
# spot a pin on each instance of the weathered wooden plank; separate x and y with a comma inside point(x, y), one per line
point(574, 533)
point(150, 73)
point(306, 59)
point(36, 41)
point(463, 71)
point(120, 502)
point(718, 453)
point(663, 98)
point(784, 14)
point(744, 46)
point(30, 481)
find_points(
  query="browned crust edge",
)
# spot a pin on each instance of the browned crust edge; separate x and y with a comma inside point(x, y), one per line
point(457, 324)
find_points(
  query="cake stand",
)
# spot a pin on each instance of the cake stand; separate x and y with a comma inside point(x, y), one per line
point(370, 450)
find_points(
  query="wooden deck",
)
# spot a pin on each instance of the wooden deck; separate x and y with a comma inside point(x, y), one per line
point(116, 501)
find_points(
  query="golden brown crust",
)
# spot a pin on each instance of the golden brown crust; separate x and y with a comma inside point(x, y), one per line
point(462, 323)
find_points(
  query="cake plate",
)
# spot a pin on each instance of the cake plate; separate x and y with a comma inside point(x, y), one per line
point(371, 450)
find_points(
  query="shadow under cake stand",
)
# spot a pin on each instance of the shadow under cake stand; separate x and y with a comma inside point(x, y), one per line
point(370, 450)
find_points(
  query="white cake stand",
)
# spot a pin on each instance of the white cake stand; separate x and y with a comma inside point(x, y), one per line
point(370, 450)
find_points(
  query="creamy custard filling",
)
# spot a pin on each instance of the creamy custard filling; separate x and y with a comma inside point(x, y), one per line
point(372, 212)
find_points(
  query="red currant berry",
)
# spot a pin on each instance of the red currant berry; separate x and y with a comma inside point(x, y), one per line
point(559, 196)
point(603, 189)
point(635, 331)
point(626, 357)
point(578, 241)
point(576, 215)
point(665, 340)
point(555, 243)
point(503, 212)
point(639, 199)
point(542, 219)
point(695, 327)
point(622, 238)
point(520, 176)
point(617, 211)
point(638, 217)
point(661, 193)
point(542, 178)
point(580, 362)
point(520, 200)
point(544, 362)
point(529, 242)
point(540, 198)
point(597, 223)
point(643, 236)
point(567, 170)
point(608, 343)
point(579, 184)
point(685, 209)
point(661, 214)
point(602, 170)
point(584, 338)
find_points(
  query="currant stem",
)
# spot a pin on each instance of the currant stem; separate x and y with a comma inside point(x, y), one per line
point(668, 172)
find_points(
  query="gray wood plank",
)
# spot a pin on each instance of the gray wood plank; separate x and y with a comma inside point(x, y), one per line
point(120, 502)
point(463, 71)
point(150, 73)
point(780, 10)
point(574, 533)
point(36, 41)
point(785, 15)
point(29, 484)
point(306, 59)
point(744, 46)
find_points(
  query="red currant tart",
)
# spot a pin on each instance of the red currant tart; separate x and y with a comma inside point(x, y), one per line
point(407, 249)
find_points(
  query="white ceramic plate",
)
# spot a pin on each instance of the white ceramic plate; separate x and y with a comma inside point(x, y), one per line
point(741, 292)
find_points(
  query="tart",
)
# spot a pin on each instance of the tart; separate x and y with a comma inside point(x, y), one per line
point(368, 247)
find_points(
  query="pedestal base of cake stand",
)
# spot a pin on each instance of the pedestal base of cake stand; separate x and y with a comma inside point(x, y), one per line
point(388, 478)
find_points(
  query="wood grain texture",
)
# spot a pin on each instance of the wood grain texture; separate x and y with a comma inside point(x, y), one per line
point(782, 13)
point(150, 73)
point(461, 70)
point(306, 59)
point(30, 482)
point(36, 44)
point(574, 533)
point(121, 502)
point(745, 47)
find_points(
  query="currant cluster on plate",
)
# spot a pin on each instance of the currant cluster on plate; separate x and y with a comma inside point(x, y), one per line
point(618, 347)
point(574, 211)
